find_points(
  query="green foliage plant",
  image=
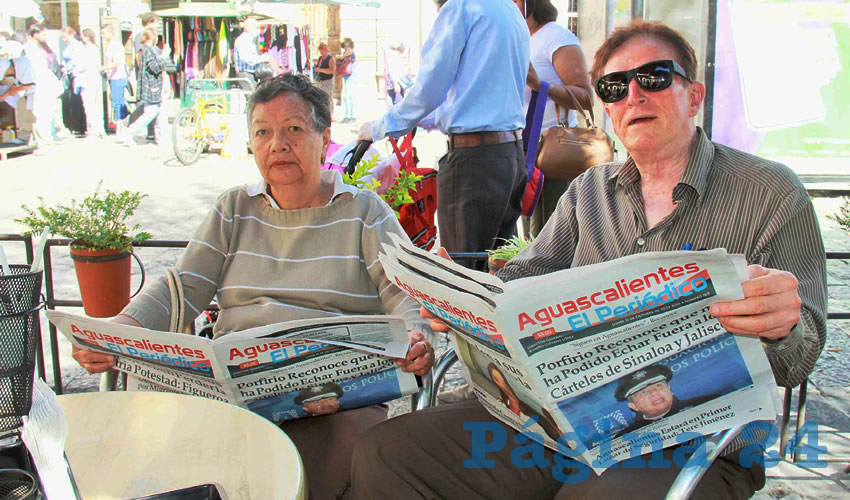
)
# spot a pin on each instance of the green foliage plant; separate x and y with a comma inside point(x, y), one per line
point(397, 195)
point(843, 215)
point(510, 248)
point(98, 222)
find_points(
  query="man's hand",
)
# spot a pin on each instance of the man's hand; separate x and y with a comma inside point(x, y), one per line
point(436, 324)
point(770, 307)
point(531, 79)
point(420, 356)
point(365, 133)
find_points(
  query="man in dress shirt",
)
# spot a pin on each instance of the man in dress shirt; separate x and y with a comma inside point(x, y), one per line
point(473, 70)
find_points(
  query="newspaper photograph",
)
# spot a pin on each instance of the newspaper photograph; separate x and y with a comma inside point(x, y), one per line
point(611, 357)
point(282, 371)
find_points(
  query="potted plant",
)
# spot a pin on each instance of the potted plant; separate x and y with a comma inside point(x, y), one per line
point(101, 244)
point(396, 195)
point(501, 255)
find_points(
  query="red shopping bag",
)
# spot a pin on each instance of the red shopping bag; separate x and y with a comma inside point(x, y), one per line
point(417, 218)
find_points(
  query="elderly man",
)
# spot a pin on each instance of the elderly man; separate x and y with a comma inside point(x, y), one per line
point(675, 187)
point(246, 56)
point(473, 70)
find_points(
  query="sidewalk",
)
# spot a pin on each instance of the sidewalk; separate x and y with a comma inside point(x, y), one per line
point(179, 198)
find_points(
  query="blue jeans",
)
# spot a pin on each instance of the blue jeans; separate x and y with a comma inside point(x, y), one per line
point(148, 116)
point(348, 97)
point(119, 104)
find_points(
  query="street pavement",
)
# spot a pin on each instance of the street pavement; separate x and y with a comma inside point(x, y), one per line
point(180, 196)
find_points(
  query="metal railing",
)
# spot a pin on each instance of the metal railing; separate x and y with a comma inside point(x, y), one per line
point(53, 302)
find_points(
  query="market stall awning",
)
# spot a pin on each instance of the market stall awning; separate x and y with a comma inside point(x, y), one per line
point(207, 9)
point(358, 3)
point(21, 8)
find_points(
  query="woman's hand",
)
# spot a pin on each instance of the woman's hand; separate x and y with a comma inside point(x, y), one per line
point(532, 81)
point(98, 362)
point(93, 362)
point(420, 356)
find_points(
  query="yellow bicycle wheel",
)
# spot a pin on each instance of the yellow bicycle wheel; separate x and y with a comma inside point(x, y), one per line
point(187, 137)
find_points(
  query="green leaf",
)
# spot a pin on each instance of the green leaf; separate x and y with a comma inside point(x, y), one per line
point(98, 222)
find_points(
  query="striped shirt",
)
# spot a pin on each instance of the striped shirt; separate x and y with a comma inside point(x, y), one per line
point(246, 56)
point(725, 199)
point(266, 265)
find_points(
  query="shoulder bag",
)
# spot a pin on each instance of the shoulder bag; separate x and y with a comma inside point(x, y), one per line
point(566, 152)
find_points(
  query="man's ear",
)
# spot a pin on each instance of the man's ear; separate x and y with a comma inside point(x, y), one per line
point(633, 407)
point(696, 94)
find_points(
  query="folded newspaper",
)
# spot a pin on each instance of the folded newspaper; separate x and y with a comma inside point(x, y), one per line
point(613, 357)
point(282, 371)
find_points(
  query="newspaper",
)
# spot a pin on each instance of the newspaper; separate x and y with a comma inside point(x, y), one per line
point(616, 359)
point(282, 371)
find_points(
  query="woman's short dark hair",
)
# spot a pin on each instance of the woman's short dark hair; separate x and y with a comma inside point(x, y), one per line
point(299, 85)
point(650, 29)
point(349, 41)
point(541, 10)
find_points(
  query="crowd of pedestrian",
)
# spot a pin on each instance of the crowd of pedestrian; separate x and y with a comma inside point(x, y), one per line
point(65, 79)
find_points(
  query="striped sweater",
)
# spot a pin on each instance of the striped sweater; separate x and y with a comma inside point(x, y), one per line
point(266, 265)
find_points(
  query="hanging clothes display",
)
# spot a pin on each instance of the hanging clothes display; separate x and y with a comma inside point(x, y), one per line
point(202, 47)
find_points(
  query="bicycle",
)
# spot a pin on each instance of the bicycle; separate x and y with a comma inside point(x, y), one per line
point(205, 123)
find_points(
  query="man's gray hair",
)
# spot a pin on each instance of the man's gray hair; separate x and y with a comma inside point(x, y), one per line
point(303, 88)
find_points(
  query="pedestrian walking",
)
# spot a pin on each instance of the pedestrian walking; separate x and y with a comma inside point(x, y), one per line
point(150, 71)
point(115, 66)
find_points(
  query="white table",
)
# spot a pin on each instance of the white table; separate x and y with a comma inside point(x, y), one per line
point(133, 444)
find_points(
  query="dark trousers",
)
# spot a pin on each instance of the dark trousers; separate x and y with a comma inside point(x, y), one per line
point(479, 196)
point(326, 444)
point(421, 455)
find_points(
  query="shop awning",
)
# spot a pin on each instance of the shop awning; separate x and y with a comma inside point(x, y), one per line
point(358, 3)
point(208, 9)
point(21, 8)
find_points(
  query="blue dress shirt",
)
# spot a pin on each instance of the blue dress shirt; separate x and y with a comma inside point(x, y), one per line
point(473, 70)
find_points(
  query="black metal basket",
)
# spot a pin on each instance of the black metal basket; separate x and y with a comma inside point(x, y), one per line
point(19, 305)
point(17, 484)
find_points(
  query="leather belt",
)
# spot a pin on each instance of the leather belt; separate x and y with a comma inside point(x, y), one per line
point(475, 139)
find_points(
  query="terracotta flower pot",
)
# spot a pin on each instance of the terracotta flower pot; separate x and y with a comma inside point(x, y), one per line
point(495, 264)
point(104, 278)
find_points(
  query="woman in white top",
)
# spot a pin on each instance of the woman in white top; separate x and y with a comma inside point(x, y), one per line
point(87, 78)
point(48, 88)
point(556, 58)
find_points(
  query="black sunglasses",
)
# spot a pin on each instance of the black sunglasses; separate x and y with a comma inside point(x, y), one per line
point(652, 77)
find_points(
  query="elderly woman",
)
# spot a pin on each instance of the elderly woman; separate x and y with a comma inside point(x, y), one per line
point(675, 188)
point(300, 244)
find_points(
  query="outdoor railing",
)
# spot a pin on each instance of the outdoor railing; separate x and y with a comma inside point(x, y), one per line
point(52, 302)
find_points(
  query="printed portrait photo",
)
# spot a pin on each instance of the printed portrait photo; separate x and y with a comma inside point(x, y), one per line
point(658, 391)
